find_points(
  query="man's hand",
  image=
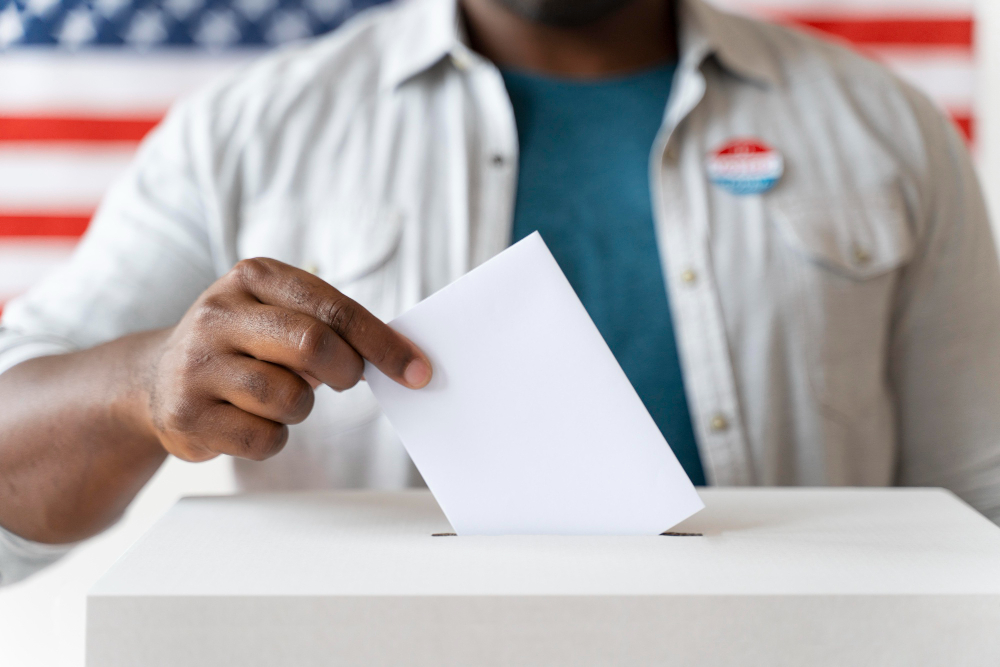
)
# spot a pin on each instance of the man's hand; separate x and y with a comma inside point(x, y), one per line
point(238, 367)
point(82, 432)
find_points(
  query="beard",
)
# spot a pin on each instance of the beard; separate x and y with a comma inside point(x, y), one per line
point(563, 13)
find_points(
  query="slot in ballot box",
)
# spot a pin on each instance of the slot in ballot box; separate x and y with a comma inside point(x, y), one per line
point(777, 577)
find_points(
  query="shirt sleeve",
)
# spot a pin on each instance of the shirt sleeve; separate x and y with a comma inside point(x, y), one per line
point(20, 558)
point(945, 356)
point(145, 258)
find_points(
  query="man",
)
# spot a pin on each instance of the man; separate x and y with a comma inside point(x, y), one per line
point(828, 316)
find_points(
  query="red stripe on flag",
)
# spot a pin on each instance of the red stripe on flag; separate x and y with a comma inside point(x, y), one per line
point(966, 125)
point(43, 224)
point(69, 128)
point(893, 30)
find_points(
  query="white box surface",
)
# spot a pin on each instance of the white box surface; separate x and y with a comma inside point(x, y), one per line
point(779, 577)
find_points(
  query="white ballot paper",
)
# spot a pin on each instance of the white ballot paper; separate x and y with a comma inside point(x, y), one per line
point(529, 425)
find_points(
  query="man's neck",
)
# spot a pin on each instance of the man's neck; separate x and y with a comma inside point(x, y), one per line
point(640, 35)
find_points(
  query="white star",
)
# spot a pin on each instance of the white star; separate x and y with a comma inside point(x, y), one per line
point(11, 29)
point(40, 7)
point(287, 26)
point(327, 10)
point(77, 29)
point(109, 8)
point(254, 9)
point(146, 29)
point(217, 29)
point(181, 9)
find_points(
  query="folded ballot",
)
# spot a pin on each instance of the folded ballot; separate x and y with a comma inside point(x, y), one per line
point(529, 425)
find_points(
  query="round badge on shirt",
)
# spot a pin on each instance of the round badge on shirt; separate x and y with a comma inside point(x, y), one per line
point(745, 166)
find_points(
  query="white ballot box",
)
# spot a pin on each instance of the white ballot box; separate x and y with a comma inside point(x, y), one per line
point(775, 577)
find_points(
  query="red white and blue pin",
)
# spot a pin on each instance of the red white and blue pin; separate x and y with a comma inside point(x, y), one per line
point(745, 166)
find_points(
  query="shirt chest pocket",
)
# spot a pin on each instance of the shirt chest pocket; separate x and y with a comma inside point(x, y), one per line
point(838, 262)
point(354, 246)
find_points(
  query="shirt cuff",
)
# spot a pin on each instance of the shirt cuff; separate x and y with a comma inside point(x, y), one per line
point(30, 348)
point(20, 558)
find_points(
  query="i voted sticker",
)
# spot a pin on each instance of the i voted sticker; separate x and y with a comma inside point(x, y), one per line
point(745, 167)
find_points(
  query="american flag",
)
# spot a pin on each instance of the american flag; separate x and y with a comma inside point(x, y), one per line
point(82, 81)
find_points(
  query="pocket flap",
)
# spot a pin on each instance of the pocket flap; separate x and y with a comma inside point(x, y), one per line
point(357, 240)
point(859, 236)
point(341, 241)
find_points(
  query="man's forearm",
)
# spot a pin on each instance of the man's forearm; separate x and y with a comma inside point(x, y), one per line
point(74, 448)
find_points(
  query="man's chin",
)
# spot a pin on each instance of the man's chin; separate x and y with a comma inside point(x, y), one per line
point(563, 13)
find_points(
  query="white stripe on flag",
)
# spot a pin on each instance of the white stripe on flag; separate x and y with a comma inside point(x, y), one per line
point(106, 82)
point(948, 77)
point(46, 177)
point(23, 262)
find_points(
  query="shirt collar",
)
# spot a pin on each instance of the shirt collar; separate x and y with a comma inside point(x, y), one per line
point(707, 31)
point(426, 32)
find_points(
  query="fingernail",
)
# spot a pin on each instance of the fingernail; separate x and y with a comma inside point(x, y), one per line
point(417, 373)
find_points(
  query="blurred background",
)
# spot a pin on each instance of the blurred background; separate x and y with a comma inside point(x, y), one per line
point(82, 81)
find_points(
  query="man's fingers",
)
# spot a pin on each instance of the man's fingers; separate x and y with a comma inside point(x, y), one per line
point(281, 285)
point(264, 389)
point(225, 429)
point(313, 382)
point(297, 341)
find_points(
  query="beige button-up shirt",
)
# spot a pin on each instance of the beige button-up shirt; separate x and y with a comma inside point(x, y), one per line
point(841, 329)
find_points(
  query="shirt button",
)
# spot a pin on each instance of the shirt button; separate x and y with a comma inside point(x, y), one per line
point(498, 160)
point(689, 277)
point(861, 256)
point(718, 423)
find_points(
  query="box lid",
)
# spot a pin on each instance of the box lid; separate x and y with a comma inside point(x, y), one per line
point(755, 542)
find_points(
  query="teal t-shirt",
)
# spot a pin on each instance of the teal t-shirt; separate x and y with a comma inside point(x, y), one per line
point(584, 184)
